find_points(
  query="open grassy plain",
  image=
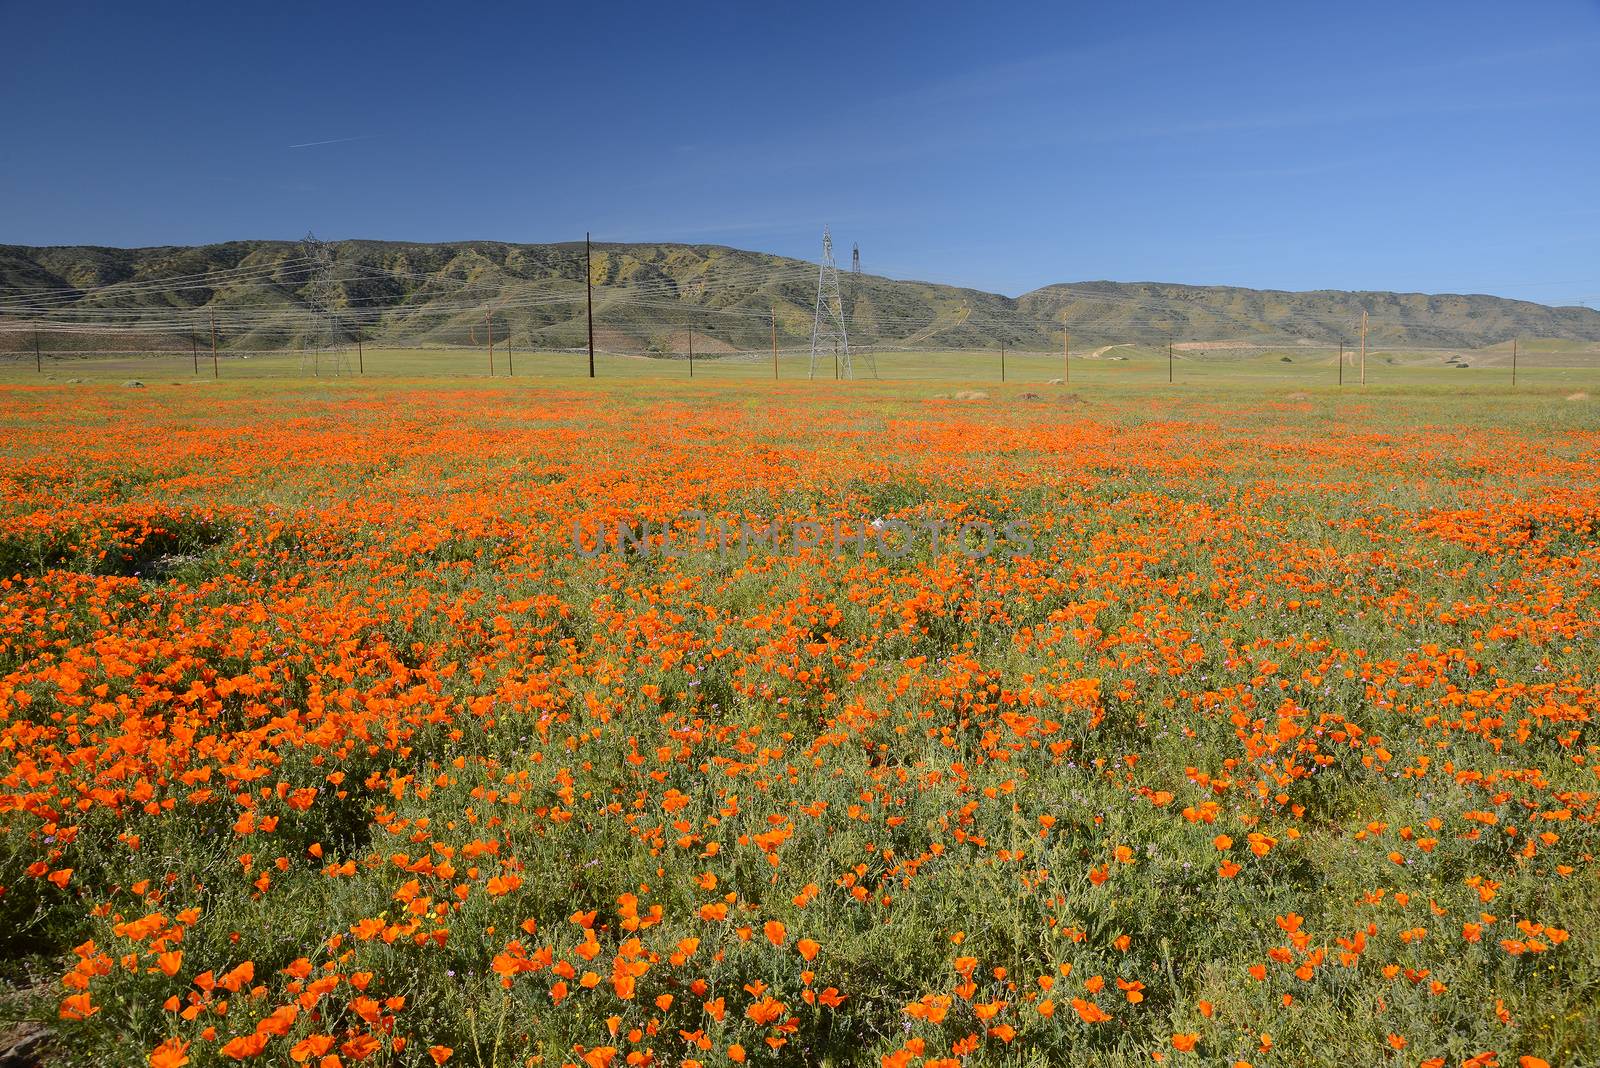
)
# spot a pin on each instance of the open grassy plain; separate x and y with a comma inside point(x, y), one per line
point(1216, 366)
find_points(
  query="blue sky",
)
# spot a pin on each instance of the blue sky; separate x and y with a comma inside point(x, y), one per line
point(1450, 147)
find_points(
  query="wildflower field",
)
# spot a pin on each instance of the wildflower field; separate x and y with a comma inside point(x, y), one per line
point(1262, 734)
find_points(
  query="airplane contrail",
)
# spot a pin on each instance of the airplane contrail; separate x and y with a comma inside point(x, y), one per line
point(334, 141)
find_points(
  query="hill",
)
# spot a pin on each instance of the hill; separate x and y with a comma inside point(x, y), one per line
point(270, 295)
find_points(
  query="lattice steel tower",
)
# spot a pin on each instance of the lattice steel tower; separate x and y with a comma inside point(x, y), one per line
point(828, 333)
point(320, 295)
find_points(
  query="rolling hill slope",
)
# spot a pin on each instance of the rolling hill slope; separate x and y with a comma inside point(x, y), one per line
point(266, 295)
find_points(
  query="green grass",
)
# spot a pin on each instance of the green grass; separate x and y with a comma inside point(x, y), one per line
point(1305, 368)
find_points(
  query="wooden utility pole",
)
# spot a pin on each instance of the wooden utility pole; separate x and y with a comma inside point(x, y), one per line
point(194, 351)
point(588, 286)
point(488, 324)
point(1169, 360)
point(38, 357)
point(1066, 358)
point(1002, 361)
point(774, 348)
point(361, 356)
point(836, 361)
point(215, 373)
point(1363, 348)
point(691, 350)
point(1341, 363)
point(1513, 362)
point(511, 372)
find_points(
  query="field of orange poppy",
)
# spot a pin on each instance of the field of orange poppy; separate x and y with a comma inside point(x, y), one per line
point(1260, 732)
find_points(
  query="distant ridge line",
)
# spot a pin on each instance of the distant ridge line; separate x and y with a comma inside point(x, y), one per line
point(439, 293)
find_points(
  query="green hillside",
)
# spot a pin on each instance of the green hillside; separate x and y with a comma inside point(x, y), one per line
point(1148, 310)
point(265, 295)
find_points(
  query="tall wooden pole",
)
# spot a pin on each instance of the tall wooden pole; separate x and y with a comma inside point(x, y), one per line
point(1066, 357)
point(1169, 360)
point(1363, 348)
point(1341, 363)
point(38, 357)
point(774, 348)
point(1513, 361)
point(214, 371)
point(588, 284)
point(691, 350)
point(361, 356)
point(511, 372)
point(194, 351)
point(488, 324)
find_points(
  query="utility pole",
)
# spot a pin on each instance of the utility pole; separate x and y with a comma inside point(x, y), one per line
point(194, 351)
point(691, 350)
point(1002, 361)
point(511, 372)
point(1066, 358)
point(488, 324)
point(774, 348)
point(215, 373)
point(38, 358)
point(588, 284)
point(1363, 348)
point(1341, 363)
point(361, 356)
point(1513, 363)
point(1169, 360)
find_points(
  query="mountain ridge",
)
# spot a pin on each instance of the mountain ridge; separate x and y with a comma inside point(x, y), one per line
point(265, 294)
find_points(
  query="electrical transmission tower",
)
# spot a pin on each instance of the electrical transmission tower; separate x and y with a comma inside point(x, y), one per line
point(322, 352)
point(828, 333)
point(855, 295)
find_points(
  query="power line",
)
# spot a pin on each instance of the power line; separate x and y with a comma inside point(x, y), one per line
point(315, 304)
